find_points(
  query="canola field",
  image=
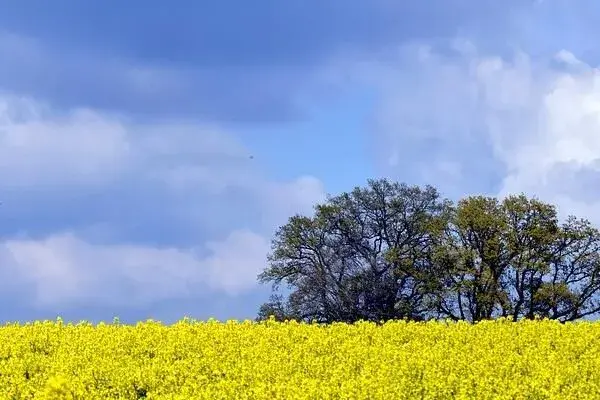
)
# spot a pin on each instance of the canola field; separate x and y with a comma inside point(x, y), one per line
point(271, 360)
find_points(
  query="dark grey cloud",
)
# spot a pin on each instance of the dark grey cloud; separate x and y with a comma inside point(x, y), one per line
point(233, 32)
point(229, 60)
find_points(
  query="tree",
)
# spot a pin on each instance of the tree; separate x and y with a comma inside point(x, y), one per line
point(276, 307)
point(390, 251)
point(514, 259)
point(363, 255)
point(570, 288)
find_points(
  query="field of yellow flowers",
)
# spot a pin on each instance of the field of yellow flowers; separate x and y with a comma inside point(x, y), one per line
point(271, 360)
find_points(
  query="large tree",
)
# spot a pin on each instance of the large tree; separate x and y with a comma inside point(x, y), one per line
point(514, 259)
point(363, 255)
point(391, 251)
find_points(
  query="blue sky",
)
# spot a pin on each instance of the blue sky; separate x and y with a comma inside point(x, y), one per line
point(126, 133)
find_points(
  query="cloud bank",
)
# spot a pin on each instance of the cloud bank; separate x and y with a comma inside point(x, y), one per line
point(172, 167)
point(491, 124)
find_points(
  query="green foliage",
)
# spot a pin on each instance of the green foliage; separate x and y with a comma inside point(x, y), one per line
point(392, 251)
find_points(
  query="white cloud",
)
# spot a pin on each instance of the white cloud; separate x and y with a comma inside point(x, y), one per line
point(236, 261)
point(286, 199)
point(530, 124)
point(64, 269)
point(84, 147)
point(552, 128)
point(184, 163)
point(37, 149)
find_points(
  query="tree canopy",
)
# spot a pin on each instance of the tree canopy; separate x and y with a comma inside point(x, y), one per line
point(393, 251)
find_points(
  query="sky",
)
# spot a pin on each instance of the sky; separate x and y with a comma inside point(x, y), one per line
point(149, 150)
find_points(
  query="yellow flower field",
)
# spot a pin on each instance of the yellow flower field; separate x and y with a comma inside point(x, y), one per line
point(246, 360)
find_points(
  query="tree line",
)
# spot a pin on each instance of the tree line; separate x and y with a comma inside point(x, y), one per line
point(393, 251)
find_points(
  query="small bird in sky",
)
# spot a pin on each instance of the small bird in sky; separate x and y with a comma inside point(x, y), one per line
point(251, 157)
